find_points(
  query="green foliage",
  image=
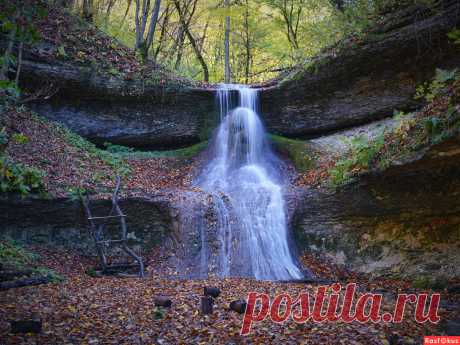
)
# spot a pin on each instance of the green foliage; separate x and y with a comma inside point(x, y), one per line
point(13, 254)
point(158, 313)
point(113, 148)
point(454, 36)
point(76, 193)
point(397, 114)
point(20, 138)
point(52, 274)
point(129, 153)
point(430, 90)
point(91, 272)
point(9, 92)
point(433, 126)
point(297, 151)
point(18, 178)
point(425, 282)
point(116, 162)
point(3, 139)
point(362, 153)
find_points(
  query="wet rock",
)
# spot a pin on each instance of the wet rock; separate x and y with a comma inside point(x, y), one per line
point(390, 223)
point(452, 327)
point(207, 305)
point(211, 291)
point(239, 306)
point(123, 112)
point(163, 301)
point(33, 325)
point(454, 289)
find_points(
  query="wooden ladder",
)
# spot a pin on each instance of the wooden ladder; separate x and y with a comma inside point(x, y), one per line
point(98, 226)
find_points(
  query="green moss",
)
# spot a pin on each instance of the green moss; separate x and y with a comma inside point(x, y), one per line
point(297, 150)
point(186, 152)
point(13, 254)
point(425, 282)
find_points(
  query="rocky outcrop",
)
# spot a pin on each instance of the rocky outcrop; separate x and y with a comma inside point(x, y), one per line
point(63, 221)
point(140, 113)
point(365, 81)
point(404, 222)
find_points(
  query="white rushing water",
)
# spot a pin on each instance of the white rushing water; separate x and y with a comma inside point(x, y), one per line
point(244, 180)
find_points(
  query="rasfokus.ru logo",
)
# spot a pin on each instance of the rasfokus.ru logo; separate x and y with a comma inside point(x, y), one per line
point(333, 303)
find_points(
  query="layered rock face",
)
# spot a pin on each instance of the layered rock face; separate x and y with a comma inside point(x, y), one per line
point(63, 221)
point(365, 82)
point(404, 222)
point(140, 114)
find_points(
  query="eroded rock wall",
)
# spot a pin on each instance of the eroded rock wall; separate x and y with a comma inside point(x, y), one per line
point(404, 222)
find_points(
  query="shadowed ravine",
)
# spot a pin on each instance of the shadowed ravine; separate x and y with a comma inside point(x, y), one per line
point(244, 186)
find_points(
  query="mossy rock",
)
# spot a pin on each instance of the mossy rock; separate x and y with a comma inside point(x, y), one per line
point(298, 151)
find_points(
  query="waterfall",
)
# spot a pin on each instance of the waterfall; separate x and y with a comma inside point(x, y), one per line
point(244, 182)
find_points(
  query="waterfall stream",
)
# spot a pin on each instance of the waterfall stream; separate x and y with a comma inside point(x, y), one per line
point(243, 180)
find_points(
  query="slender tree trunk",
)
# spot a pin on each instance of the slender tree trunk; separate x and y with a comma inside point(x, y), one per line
point(153, 24)
point(247, 43)
point(192, 40)
point(19, 65)
point(88, 10)
point(137, 23)
point(227, 45)
point(164, 25)
point(126, 13)
point(180, 47)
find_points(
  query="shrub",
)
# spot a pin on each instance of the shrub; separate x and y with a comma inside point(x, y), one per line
point(18, 178)
point(20, 138)
point(13, 254)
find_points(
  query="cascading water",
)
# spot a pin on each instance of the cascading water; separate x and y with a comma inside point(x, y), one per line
point(243, 181)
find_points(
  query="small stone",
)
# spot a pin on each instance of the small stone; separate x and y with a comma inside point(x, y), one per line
point(26, 326)
point(452, 327)
point(454, 289)
point(163, 301)
point(207, 305)
point(211, 291)
point(239, 306)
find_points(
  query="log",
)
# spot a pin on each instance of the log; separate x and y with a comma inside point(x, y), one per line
point(211, 291)
point(9, 275)
point(206, 305)
point(33, 325)
point(239, 306)
point(24, 282)
point(163, 301)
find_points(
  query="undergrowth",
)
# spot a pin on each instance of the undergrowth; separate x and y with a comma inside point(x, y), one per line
point(437, 121)
point(14, 256)
point(297, 150)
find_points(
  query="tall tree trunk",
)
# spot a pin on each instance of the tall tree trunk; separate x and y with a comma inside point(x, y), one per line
point(227, 45)
point(153, 24)
point(19, 64)
point(192, 40)
point(179, 47)
point(126, 13)
point(164, 25)
point(247, 43)
point(88, 10)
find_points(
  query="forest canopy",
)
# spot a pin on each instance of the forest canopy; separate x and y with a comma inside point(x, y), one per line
point(240, 41)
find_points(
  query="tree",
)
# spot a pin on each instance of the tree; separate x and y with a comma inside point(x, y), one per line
point(88, 10)
point(186, 27)
point(227, 44)
point(143, 44)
